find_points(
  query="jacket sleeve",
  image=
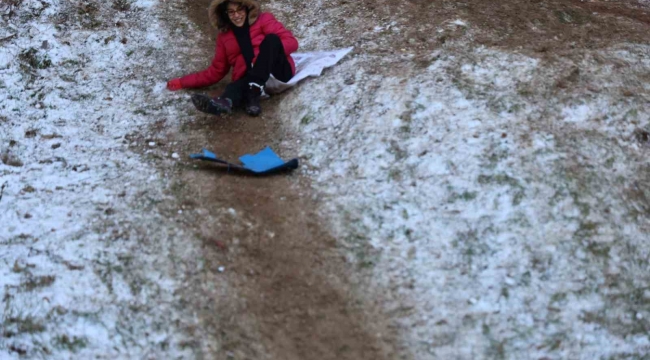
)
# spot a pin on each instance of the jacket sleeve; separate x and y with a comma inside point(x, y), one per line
point(215, 72)
point(273, 26)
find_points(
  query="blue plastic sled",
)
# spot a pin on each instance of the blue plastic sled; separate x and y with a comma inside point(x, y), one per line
point(264, 162)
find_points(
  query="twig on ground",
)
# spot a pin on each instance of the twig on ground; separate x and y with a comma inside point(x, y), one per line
point(2, 189)
point(7, 38)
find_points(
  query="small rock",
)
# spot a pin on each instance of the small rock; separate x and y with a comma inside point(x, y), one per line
point(221, 269)
point(31, 133)
point(21, 264)
point(180, 211)
point(109, 39)
point(28, 216)
point(11, 160)
point(109, 211)
point(18, 349)
point(56, 146)
point(152, 143)
point(642, 136)
point(175, 155)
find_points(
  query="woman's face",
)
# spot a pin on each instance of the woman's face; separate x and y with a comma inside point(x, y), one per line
point(236, 13)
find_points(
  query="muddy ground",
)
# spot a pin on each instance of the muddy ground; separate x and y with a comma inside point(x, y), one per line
point(294, 292)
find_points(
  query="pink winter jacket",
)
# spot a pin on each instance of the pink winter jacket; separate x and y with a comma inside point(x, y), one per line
point(229, 55)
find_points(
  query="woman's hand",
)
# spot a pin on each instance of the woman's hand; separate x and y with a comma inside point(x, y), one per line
point(174, 84)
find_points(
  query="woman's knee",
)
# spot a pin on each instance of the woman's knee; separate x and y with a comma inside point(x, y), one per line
point(271, 39)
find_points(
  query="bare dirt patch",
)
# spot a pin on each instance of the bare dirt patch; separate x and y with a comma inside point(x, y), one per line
point(293, 288)
point(535, 27)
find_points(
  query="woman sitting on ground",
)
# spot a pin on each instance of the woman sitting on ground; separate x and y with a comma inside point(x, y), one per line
point(255, 45)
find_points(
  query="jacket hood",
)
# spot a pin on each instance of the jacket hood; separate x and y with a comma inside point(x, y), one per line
point(219, 18)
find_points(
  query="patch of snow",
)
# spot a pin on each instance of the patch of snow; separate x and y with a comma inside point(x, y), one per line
point(145, 4)
point(88, 266)
point(459, 22)
point(460, 190)
point(580, 113)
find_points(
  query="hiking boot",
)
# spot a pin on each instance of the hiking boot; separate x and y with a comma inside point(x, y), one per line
point(253, 94)
point(214, 106)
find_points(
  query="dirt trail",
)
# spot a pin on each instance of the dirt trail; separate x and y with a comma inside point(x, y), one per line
point(293, 297)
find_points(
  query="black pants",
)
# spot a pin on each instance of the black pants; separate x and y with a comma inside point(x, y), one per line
point(270, 60)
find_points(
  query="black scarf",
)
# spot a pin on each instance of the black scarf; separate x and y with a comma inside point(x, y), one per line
point(243, 36)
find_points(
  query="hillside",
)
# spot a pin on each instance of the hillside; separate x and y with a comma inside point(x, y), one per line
point(474, 184)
